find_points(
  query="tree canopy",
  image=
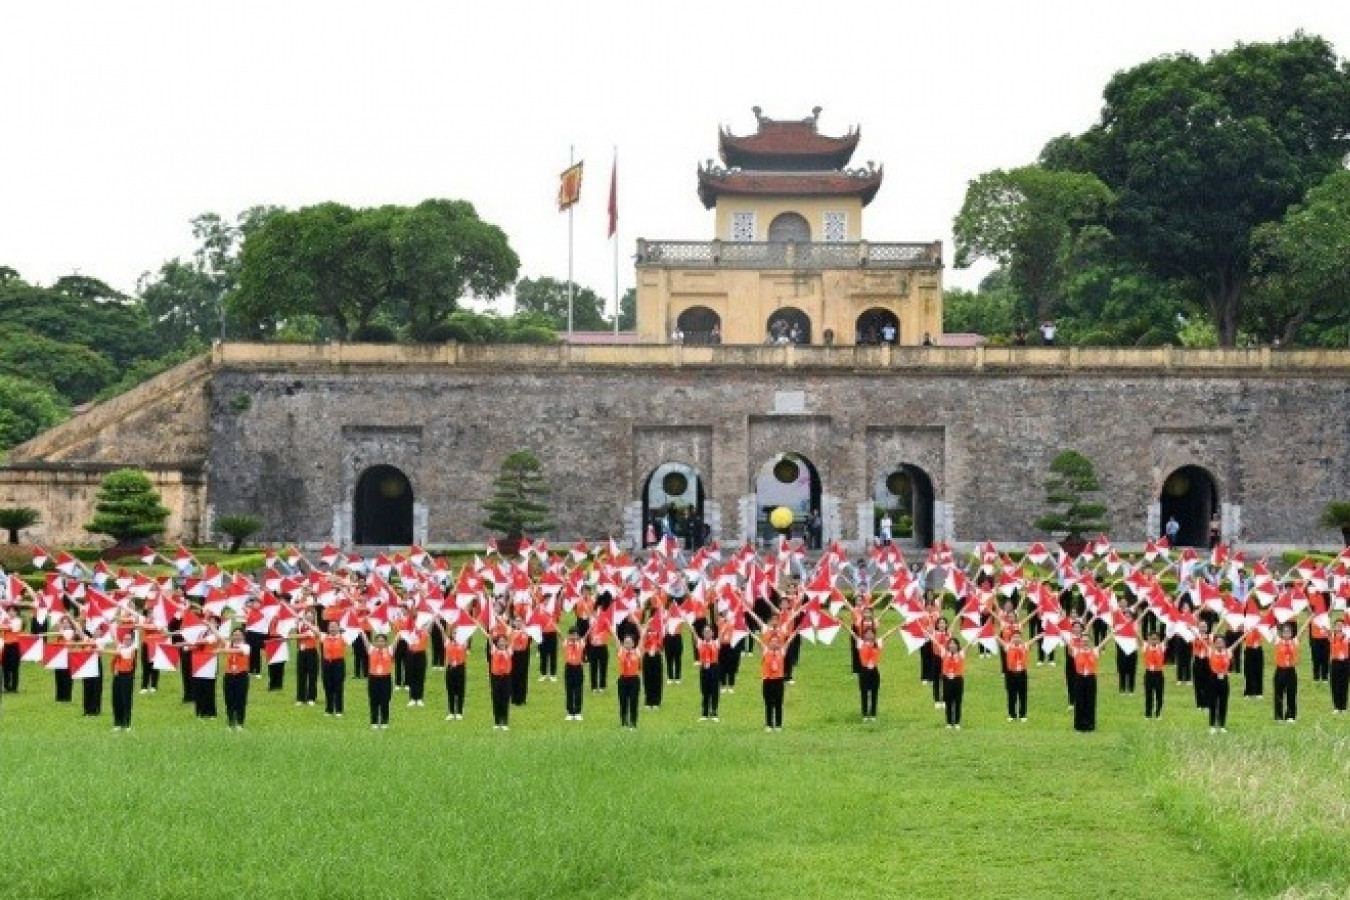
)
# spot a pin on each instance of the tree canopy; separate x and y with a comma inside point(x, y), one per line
point(127, 507)
point(1199, 154)
point(356, 268)
point(547, 297)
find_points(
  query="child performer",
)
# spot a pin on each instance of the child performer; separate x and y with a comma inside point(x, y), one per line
point(630, 666)
point(574, 655)
point(1155, 660)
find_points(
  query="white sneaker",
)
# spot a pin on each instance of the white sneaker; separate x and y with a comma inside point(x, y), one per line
point(339, 715)
point(715, 719)
point(1023, 719)
point(145, 690)
point(543, 678)
point(937, 704)
point(374, 728)
point(957, 727)
point(767, 729)
point(412, 702)
point(450, 717)
point(703, 718)
point(1213, 730)
point(1223, 731)
point(309, 702)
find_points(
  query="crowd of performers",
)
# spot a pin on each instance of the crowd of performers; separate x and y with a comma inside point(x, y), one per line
point(395, 618)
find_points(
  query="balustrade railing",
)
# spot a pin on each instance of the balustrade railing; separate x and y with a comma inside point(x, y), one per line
point(788, 254)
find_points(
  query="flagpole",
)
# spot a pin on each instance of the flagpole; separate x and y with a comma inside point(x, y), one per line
point(571, 161)
point(613, 190)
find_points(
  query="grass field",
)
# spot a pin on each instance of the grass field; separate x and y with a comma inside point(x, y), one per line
point(301, 805)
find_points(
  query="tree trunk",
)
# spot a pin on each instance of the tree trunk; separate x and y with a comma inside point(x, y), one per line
point(235, 544)
point(14, 536)
point(1225, 306)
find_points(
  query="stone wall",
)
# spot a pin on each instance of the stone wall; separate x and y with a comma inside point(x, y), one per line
point(64, 494)
point(286, 431)
point(982, 424)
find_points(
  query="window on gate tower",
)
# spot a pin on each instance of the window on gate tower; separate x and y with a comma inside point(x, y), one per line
point(742, 226)
point(835, 227)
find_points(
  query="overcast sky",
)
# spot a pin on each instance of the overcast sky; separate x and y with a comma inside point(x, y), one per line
point(123, 120)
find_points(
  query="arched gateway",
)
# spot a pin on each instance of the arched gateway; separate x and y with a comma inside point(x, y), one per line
point(383, 511)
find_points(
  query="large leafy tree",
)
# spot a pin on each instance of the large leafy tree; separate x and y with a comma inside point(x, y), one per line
point(79, 310)
point(1303, 269)
point(27, 408)
point(1034, 222)
point(1201, 153)
point(76, 371)
point(363, 270)
point(547, 297)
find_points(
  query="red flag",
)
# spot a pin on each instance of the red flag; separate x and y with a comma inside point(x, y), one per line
point(614, 197)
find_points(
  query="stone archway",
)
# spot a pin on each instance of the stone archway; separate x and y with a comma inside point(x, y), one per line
point(789, 228)
point(700, 325)
point(872, 325)
point(383, 508)
point(673, 492)
point(788, 325)
point(906, 492)
point(791, 480)
point(1191, 495)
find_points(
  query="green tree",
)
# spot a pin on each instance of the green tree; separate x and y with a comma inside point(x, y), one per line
point(1199, 154)
point(75, 371)
point(1034, 222)
point(993, 309)
point(1068, 492)
point(442, 252)
point(14, 519)
point(628, 310)
point(359, 268)
point(127, 507)
point(238, 528)
point(1303, 268)
point(27, 409)
point(519, 503)
point(83, 311)
point(548, 298)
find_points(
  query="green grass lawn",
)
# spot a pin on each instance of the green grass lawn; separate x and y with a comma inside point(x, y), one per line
point(301, 805)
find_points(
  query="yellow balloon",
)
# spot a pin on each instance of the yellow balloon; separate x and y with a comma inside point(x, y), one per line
point(781, 518)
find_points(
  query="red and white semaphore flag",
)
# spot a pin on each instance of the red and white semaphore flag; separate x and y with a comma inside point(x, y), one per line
point(84, 664)
point(277, 650)
point(165, 658)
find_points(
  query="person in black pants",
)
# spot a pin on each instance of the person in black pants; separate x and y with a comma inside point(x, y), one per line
point(597, 656)
point(237, 656)
point(708, 651)
point(9, 658)
point(307, 663)
point(1340, 666)
point(333, 662)
point(1286, 674)
point(204, 665)
point(1154, 675)
point(869, 673)
point(1127, 664)
point(456, 656)
point(1015, 675)
point(92, 688)
point(574, 653)
point(548, 651)
point(1319, 648)
point(520, 663)
point(415, 640)
point(379, 683)
point(500, 660)
point(124, 675)
point(673, 647)
point(630, 681)
point(653, 667)
point(1253, 664)
point(255, 641)
point(1220, 662)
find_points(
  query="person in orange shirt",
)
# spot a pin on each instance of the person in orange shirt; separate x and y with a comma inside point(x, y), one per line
point(456, 676)
point(1015, 654)
point(937, 643)
point(1340, 665)
point(333, 668)
point(653, 661)
point(520, 663)
point(9, 659)
point(1200, 649)
point(1286, 674)
point(1085, 658)
point(151, 637)
point(869, 670)
point(124, 673)
point(1155, 661)
point(597, 654)
point(379, 678)
point(1220, 661)
point(501, 660)
point(630, 667)
point(548, 644)
point(708, 651)
point(307, 661)
point(237, 654)
point(1253, 664)
point(773, 665)
point(952, 666)
point(574, 655)
point(1319, 650)
point(415, 639)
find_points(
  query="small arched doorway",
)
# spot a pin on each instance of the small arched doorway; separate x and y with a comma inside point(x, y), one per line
point(700, 325)
point(789, 325)
point(878, 326)
point(790, 480)
point(906, 493)
point(672, 497)
point(1191, 496)
point(383, 511)
point(789, 228)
